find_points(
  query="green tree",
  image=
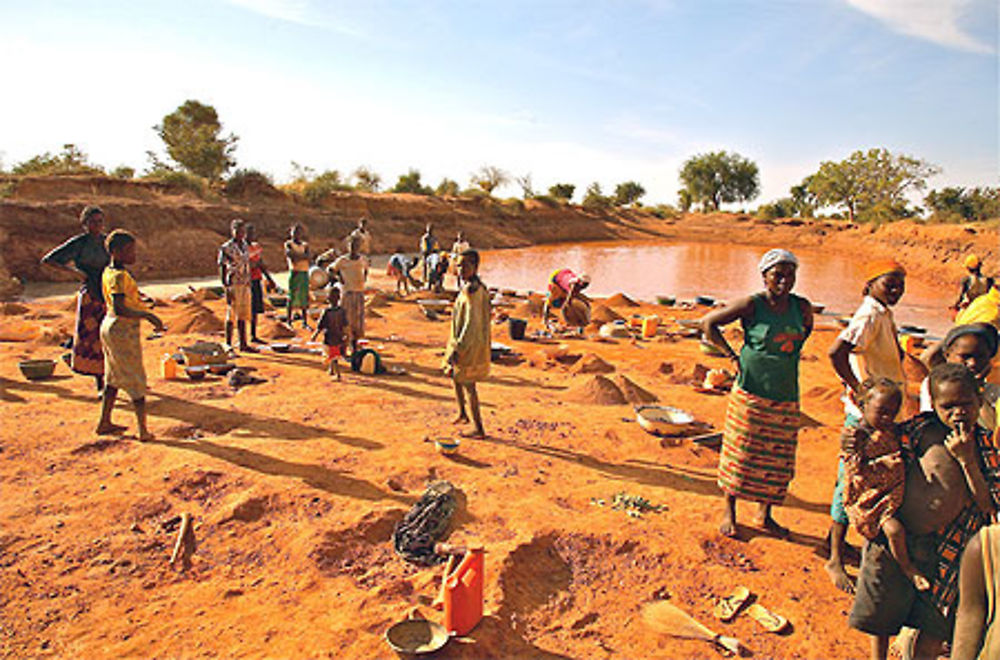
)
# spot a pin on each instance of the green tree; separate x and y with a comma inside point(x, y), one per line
point(803, 200)
point(192, 135)
point(71, 160)
point(684, 200)
point(489, 178)
point(562, 191)
point(410, 183)
point(367, 179)
point(447, 187)
point(718, 177)
point(593, 198)
point(627, 193)
point(317, 187)
point(870, 184)
point(973, 204)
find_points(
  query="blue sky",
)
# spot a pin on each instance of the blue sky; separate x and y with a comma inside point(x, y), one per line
point(566, 91)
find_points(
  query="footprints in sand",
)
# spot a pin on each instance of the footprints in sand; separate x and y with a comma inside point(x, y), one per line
point(362, 551)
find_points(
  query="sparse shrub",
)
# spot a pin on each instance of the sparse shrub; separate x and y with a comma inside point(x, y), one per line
point(180, 180)
point(8, 188)
point(328, 182)
point(244, 182)
point(410, 183)
point(547, 200)
point(562, 191)
point(447, 187)
point(513, 204)
point(664, 212)
point(123, 172)
point(71, 160)
point(367, 179)
point(594, 199)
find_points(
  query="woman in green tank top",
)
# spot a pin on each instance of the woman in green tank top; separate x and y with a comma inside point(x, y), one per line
point(757, 461)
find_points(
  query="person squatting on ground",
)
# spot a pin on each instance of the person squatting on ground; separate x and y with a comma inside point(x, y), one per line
point(757, 460)
point(258, 271)
point(399, 267)
point(333, 324)
point(565, 293)
point(89, 256)
point(951, 490)
point(866, 348)
point(234, 271)
point(120, 339)
point(467, 355)
point(352, 271)
point(297, 254)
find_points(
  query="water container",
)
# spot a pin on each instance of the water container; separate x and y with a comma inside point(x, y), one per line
point(649, 326)
point(169, 367)
point(463, 594)
point(516, 327)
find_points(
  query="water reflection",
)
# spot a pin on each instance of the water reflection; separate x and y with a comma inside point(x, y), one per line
point(645, 270)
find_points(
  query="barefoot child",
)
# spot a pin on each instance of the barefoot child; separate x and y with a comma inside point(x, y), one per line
point(332, 323)
point(120, 335)
point(867, 348)
point(874, 475)
point(467, 357)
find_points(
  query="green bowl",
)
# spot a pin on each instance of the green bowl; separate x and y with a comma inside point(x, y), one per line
point(37, 369)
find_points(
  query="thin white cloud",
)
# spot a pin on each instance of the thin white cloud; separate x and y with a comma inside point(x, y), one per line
point(937, 21)
point(296, 11)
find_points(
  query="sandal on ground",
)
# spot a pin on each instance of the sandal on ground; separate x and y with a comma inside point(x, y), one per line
point(768, 620)
point(728, 607)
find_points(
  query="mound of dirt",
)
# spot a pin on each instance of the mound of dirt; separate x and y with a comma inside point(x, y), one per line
point(17, 309)
point(274, 329)
point(602, 314)
point(620, 300)
point(632, 392)
point(196, 297)
point(530, 307)
point(196, 318)
point(599, 391)
point(592, 364)
point(372, 314)
point(378, 299)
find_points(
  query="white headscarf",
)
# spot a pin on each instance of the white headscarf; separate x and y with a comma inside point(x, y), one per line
point(775, 257)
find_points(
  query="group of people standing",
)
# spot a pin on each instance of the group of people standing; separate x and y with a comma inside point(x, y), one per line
point(918, 491)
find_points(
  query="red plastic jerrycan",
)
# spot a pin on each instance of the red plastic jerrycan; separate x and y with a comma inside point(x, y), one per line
point(463, 594)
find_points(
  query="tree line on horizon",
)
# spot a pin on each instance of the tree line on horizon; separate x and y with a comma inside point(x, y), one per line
point(869, 185)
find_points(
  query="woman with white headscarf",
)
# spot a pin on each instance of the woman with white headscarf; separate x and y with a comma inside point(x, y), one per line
point(762, 420)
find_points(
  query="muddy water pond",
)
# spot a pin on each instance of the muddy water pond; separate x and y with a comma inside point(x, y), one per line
point(725, 272)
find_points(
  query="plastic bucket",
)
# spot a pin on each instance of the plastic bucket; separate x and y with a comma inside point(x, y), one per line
point(516, 327)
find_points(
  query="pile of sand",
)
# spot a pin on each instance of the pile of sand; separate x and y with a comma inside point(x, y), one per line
point(632, 392)
point(528, 308)
point(17, 309)
point(372, 314)
point(196, 297)
point(378, 299)
point(592, 364)
point(599, 391)
point(620, 300)
point(196, 318)
point(602, 314)
point(274, 329)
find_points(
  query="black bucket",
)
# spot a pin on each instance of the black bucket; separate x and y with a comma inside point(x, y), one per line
point(516, 327)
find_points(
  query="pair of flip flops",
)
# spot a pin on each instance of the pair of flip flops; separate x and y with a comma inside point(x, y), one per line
point(727, 608)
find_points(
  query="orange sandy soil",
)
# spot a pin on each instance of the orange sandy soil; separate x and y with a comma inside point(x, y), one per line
point(295, 485)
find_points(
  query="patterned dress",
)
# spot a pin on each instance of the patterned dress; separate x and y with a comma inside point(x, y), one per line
point(875, 482)
point(760, 437)
point(88, 254)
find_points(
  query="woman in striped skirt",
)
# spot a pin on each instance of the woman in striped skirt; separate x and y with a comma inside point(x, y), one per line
point(762, 420)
